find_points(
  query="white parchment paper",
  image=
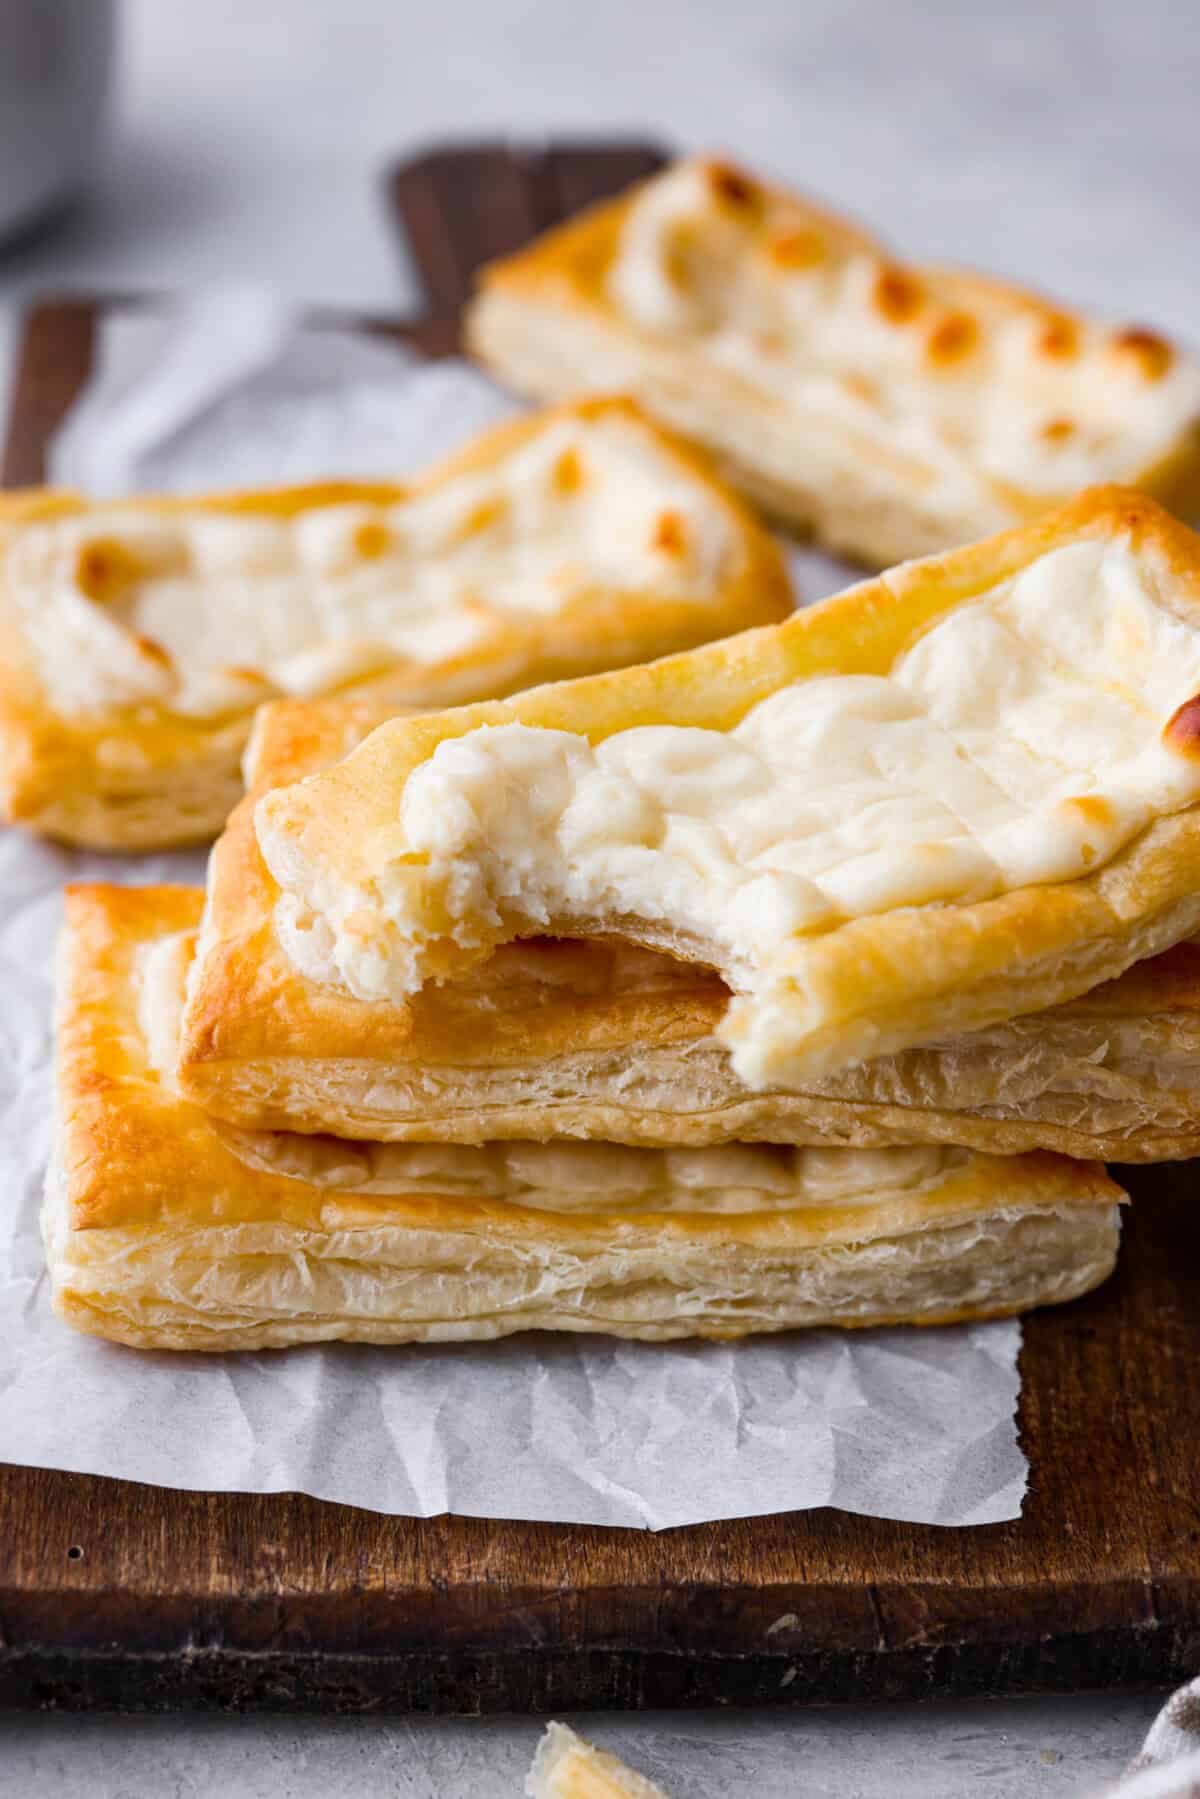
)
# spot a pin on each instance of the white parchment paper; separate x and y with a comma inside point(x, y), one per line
point(907, 1424)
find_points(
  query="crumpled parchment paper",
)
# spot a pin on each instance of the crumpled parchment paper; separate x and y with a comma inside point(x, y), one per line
point(902, 1424)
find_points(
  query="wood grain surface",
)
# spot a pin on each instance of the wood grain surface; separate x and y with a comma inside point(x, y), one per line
point(117, 1595)
point(461, 205)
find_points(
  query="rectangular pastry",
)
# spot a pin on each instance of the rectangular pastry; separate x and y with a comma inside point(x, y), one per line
point(552, 1038)
point(166, 1230)
point(892, 411)
point(959, 794)
point(138, 636)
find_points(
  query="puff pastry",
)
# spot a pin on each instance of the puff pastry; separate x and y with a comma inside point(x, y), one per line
point(953, 796)
point(892, 411)
point(164, 1230)
point(563, 542)
point(608, 1041)
point(567, 1766)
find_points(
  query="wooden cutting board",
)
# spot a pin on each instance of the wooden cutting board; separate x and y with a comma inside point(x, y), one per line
point(116, 1595)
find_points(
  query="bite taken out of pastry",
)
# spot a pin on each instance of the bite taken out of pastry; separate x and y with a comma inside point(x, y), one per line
point(890, 410)
point(956, 795)
point(601, 1039)
point(138, 636)
point(164, 1229)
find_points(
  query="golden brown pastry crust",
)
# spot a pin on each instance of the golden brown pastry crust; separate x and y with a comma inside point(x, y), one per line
point(590, 1039)
point(159, 1233)
point(146, 777)
point(545, 322)
point(880, 983)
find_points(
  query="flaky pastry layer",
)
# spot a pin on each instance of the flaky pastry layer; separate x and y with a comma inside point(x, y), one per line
point(956, 795)
point(567, 541)
point(608, 1041)
point(163, 1230)
point(891, 410)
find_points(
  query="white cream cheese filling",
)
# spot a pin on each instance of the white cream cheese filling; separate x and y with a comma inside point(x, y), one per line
point(205, 612)
point(160, 974)
point(1021, 740)
point(554, 1177)
point(966, 383)
point(604, 1177)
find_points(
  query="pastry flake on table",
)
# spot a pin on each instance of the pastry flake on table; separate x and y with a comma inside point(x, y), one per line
point(567, 1766)
point(164, 1229)
point(890, 410)
point(138, 636)
point(960, 793)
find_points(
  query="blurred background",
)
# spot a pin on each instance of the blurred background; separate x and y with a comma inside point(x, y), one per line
point(1051, 139)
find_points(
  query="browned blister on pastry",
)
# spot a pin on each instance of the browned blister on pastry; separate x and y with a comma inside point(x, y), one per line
point(890, 410)
point(137, 636)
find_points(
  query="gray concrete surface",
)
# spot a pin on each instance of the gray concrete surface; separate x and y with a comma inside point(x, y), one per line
point(1020, 1749)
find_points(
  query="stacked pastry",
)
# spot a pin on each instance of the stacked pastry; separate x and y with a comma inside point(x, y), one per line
point(720, 916)
point(794, 979)
point(249, 1156)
